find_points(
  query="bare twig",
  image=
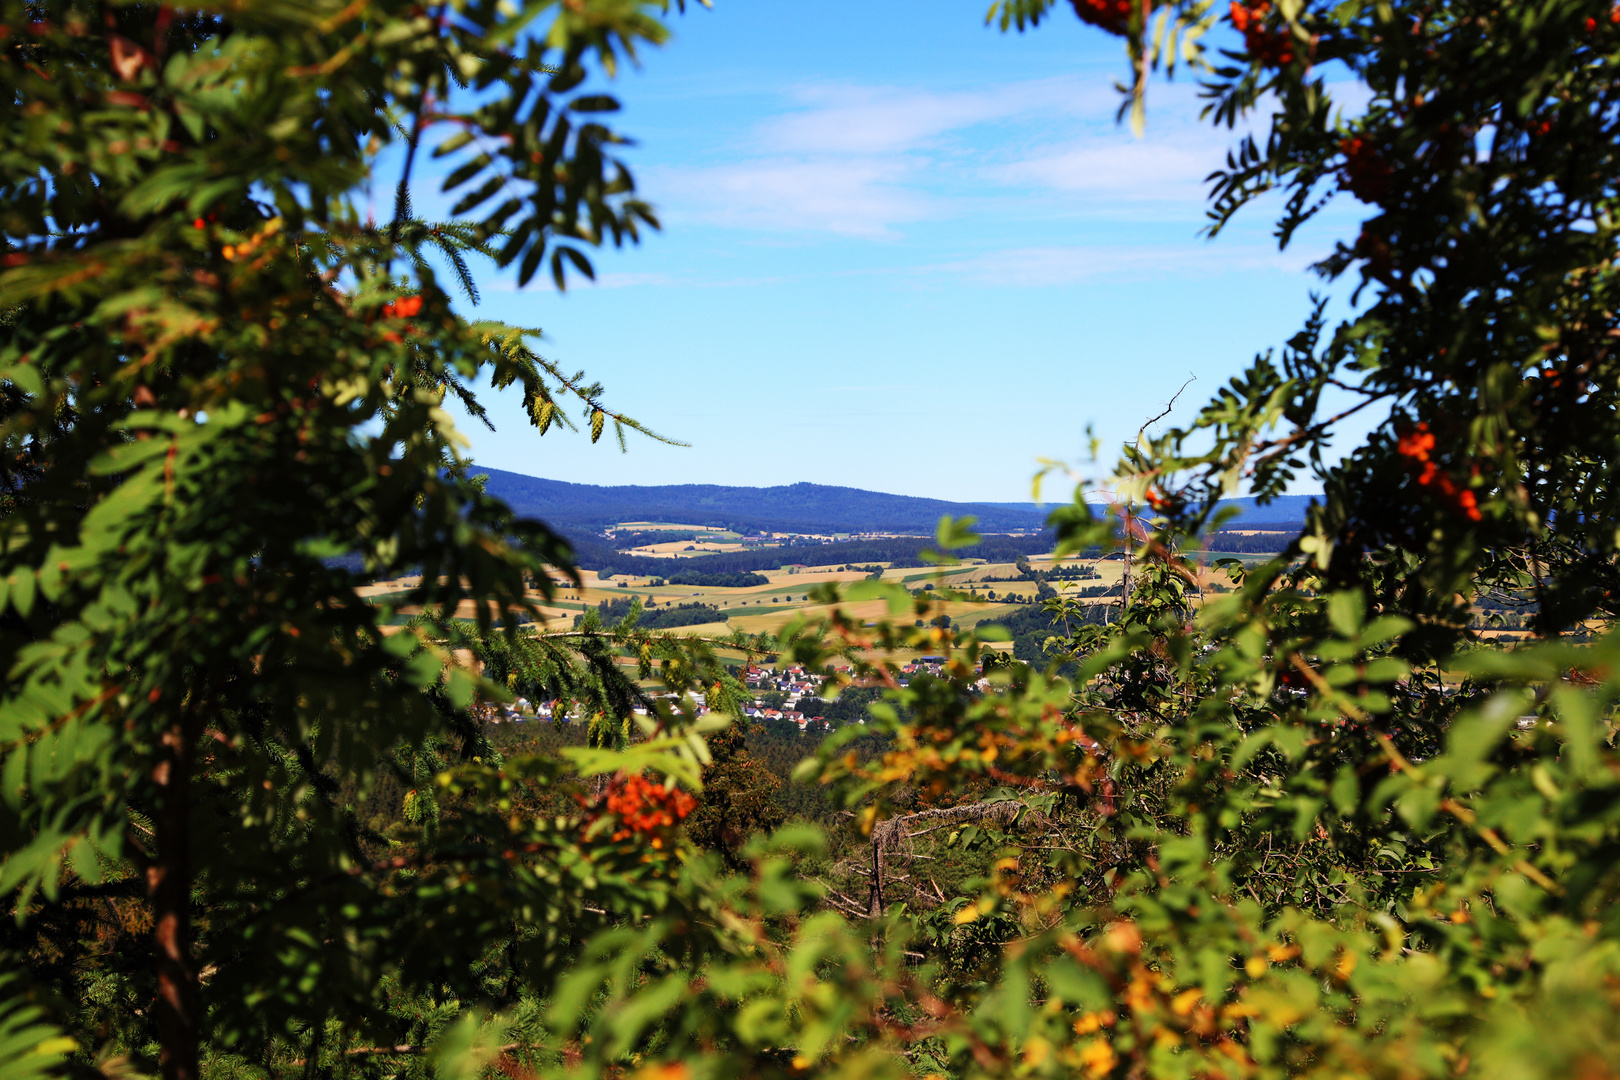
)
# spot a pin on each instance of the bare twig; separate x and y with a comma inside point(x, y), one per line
point(1171, 404)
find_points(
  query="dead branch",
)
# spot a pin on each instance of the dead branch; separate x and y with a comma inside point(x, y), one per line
point(401, 1050)
point(889, 835)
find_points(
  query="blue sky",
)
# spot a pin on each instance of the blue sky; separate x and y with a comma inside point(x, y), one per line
point(901, 251)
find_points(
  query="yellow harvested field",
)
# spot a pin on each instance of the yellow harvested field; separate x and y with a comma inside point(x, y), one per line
point(383, 588)
point(658, 526)
point(769, 608)
point(709, 629)
point(813, 574)
point(685, 549)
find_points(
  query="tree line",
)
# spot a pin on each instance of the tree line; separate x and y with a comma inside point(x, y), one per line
point(610, 612)
point(593, 553)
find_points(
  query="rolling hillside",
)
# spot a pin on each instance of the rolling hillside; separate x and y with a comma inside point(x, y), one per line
point(801, 508)
point(797, 508)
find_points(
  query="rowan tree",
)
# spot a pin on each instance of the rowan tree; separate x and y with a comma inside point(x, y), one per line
point(222, 404)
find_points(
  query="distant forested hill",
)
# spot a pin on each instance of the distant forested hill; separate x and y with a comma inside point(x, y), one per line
point(1285, 510)
point(802, 508)
point(581, 511)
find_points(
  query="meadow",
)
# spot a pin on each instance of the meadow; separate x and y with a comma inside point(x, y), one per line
point(971, 592)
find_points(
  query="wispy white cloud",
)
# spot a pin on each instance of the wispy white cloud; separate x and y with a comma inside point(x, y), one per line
point(1157, 169)
point(864, 160)
point(624, 280)
point(864, 197)
point(888, 120)
point(615, 279)
point(1023, 267)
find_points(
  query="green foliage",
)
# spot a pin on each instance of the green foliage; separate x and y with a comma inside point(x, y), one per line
point(693, 614)
point(216, 382)
point(737, 580)
point(30, 1050)
point(737, 798)
point(1032, 628)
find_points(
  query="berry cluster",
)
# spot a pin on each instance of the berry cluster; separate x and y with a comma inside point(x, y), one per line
point(1113, 16)
point(1290, 678)
point(1415, 445)
point(1614, 20)
point(1366, 173)
point(1161, 502)
point(252, 244)
point(1269, 47)
point(404, 308)
point(646, 808)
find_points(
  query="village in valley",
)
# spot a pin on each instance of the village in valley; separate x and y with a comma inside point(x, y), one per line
point(779, 693)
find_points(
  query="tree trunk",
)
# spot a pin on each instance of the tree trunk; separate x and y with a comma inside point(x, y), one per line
point(168, 883)
point(1125, 579)
point(874, 903)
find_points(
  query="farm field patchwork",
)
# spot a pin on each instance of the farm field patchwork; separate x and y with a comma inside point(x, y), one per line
point(993, 592)
point(969, 593)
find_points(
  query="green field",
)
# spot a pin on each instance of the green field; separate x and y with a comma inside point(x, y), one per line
point(770, 607)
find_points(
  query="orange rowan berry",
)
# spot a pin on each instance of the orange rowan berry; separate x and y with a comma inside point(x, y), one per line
point(1415, 443)
point(1366, 174)
point(1110, 15)
point(1269, 47)
point(403, 308)
point(1114, 16)
point(645, 807)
